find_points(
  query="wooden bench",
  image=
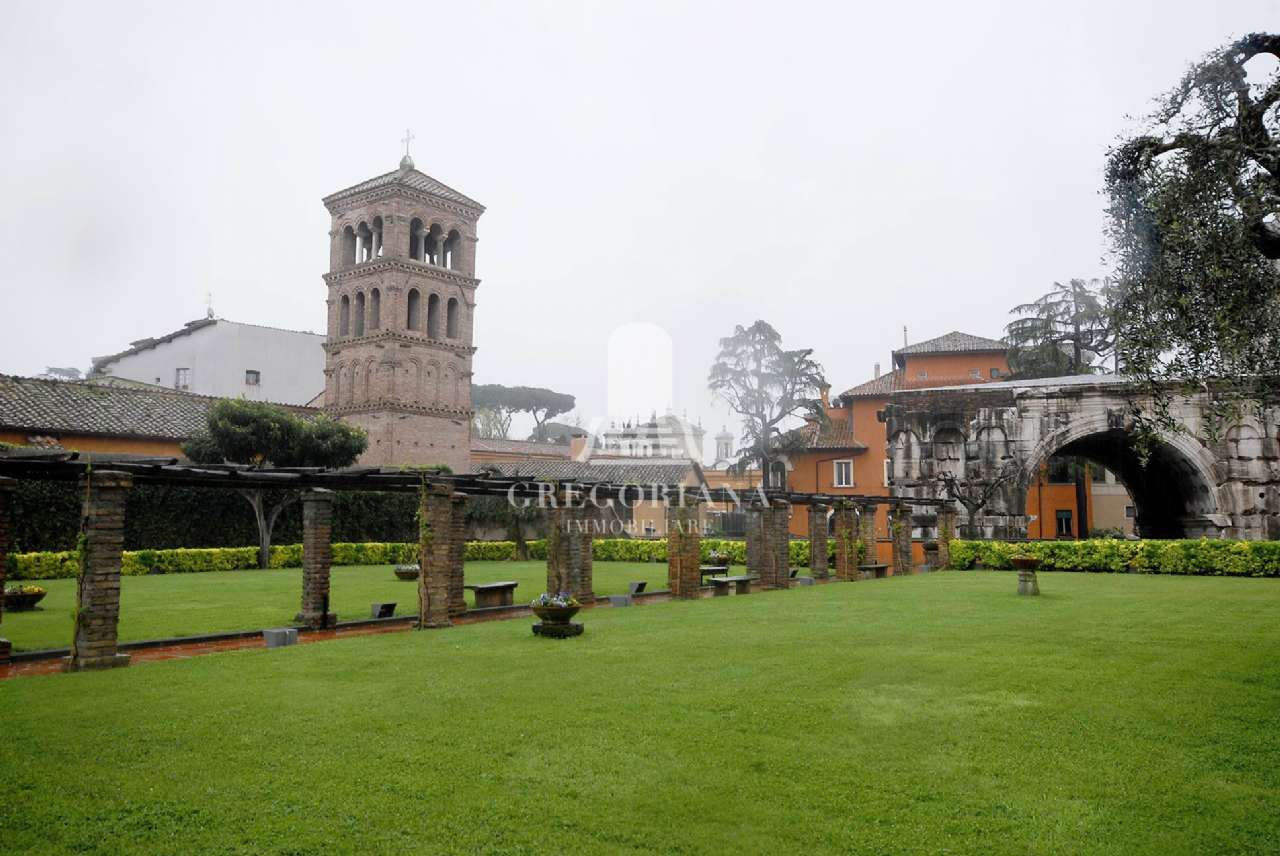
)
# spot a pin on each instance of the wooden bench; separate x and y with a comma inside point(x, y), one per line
point(740, 584)
point(876, 570)
point(494, 594)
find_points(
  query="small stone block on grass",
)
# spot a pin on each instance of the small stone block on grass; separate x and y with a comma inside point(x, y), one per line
point(619, 600)
point(280, 637)
point(382, 610)
point(803, 581)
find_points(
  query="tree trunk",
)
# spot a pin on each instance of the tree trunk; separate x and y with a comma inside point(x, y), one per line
point(266, 520)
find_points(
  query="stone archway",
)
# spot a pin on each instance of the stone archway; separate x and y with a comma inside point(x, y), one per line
point(1174, 493)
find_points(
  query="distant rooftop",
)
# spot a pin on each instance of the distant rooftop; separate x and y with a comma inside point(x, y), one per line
point(954, 342)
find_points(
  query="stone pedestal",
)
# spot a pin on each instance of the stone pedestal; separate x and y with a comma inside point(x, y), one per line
point(98, 588)
point(818, 559)
point(1027, 582)
point(317, 559)
point(684, 541)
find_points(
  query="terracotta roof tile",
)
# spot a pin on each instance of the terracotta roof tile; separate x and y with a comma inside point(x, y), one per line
point(954, 342)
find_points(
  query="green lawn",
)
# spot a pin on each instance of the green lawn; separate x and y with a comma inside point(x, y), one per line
point(152, 607)
point(1115, 714)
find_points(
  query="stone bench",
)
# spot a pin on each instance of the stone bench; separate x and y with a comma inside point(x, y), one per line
point(711, 570)
point(740, 584)
point(874, 570)
point(494, 594)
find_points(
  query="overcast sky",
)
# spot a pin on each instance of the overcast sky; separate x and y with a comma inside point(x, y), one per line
point(835, 170)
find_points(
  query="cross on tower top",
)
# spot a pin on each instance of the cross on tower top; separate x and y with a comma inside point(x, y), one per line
point(407, 161)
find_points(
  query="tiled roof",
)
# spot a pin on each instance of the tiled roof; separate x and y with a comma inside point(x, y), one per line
point(520, 447)
point(954, 342)
point(829, 436)
point(879, 387)
point(641, 472)
point(61, 407)
point(100, 363)
point(411, 178)
point(75, 407)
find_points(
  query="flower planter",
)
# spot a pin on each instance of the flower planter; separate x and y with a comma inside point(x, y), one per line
point(407, 572)
point(555, 621)
point(21, 602)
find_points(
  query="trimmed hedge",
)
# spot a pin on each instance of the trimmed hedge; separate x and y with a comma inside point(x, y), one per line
point(1111, 555)
point(54, 565)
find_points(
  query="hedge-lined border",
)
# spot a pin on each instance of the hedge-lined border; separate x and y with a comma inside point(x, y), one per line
point(1205, 556)
point(47, 566)
point(1112, 555)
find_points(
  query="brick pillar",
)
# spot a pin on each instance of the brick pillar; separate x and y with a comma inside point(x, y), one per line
point(867, 532)
point(818, 540)
point(569, 539)
point(435, 537)
point(98, 588)
point(457, 557)
point(317, 559)
point(684, 542)
point(901, 529)
point(6, 514)
point(946, 532)
point(768, 526)
point(846, 543)
point(753, 520)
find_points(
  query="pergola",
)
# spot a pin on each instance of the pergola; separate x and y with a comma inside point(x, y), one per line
point(574, 509)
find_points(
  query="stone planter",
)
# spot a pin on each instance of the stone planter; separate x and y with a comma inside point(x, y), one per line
point(1027, 582)
point(407, 572)
point(555, 621)
point(20, 602)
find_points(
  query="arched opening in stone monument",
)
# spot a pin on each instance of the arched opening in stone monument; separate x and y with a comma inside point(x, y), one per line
point(1171, 493)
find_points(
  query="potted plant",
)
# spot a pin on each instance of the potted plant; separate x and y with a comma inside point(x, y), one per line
point(407, 572)
point(555, 608)
point(716, 559)
point(22, 598)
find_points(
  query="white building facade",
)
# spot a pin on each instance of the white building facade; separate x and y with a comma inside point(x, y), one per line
point(227, 359)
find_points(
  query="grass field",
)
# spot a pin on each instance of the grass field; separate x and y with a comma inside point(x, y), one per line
point(937, 713)
point(153, 607)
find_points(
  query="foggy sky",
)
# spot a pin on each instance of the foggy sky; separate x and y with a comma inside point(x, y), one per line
point(839, 171)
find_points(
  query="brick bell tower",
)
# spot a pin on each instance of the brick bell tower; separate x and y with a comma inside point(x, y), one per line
point(401, 309)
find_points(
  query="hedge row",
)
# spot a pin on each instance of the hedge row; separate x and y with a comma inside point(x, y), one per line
point(1205, 556)
point(52, 565)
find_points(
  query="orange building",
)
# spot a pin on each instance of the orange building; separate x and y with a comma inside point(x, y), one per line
point(847, 456)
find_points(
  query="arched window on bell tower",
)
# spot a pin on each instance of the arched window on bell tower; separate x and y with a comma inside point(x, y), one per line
point(451, 319)
point(433, 316)
point(344, 315)
point(359, 317)
point(412, 320)
point(375, 309)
